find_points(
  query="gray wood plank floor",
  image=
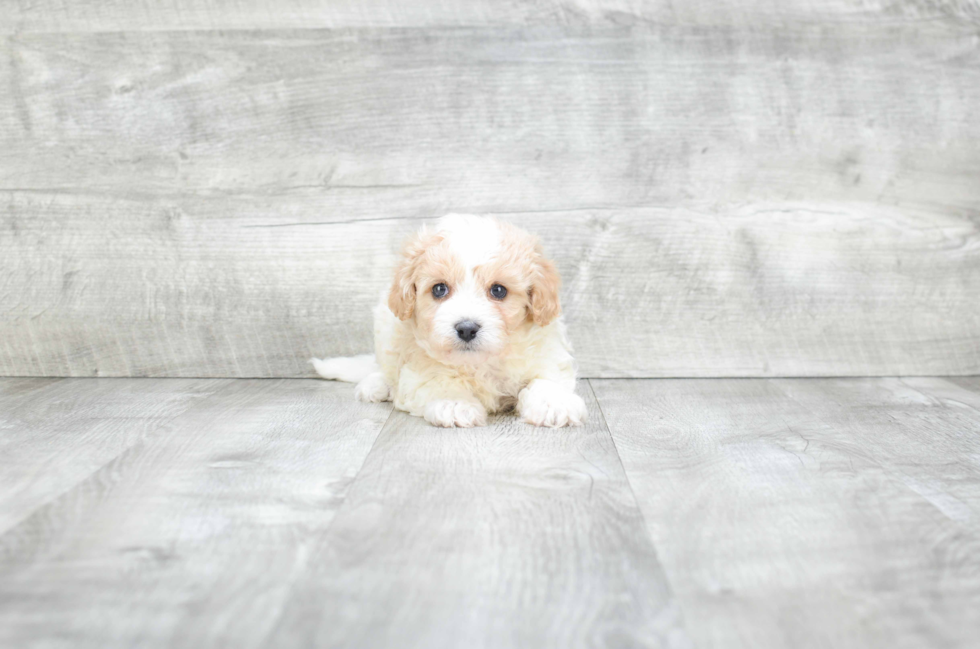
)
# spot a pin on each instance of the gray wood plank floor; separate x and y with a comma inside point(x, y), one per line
point(504, 536)
point(55, 433)
point(193, 535)
point(281, 513)
point(810, 513)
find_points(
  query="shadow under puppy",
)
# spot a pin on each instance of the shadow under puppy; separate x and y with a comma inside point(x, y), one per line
point(471, 325)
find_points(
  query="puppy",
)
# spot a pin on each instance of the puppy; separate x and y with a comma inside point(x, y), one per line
point(470, 326)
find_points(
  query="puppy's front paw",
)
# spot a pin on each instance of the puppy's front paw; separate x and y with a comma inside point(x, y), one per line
point(461, 414)
point(373, 388)
point(546, 404)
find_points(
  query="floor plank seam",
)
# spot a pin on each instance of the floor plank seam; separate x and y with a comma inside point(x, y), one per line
point(374, 445)
point(101, 467)
point(141, 440)
point(619, 458)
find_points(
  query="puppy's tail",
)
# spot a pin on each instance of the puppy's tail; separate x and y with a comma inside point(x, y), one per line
point(350, 369)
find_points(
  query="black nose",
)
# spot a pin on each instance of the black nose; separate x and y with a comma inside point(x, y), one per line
point(467, 330)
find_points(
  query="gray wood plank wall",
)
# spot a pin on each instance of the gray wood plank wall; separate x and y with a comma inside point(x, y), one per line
point(730, 189)
point(156, 15)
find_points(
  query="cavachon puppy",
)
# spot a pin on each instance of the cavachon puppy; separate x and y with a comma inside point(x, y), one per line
point(470, 326)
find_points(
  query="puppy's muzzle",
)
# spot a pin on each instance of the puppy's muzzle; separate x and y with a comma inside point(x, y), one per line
point(466, 330)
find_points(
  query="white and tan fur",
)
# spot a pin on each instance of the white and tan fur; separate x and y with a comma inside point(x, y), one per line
point(520, 356)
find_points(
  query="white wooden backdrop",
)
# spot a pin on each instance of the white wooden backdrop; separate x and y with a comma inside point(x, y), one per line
point(217, 188)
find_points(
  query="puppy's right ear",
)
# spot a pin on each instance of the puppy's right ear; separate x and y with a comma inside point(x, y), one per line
point(545, 303)
point(401, 298)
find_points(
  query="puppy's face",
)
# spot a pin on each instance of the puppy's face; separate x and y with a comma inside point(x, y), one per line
point(469, 285)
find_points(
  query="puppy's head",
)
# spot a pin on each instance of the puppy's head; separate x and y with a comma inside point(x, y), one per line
point(469, 284)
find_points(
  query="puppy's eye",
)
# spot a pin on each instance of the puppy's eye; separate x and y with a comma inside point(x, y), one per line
point(498, 291)
point(439, 290)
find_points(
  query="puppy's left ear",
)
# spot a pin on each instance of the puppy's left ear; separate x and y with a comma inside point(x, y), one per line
point(401, 297)
point(545, 286)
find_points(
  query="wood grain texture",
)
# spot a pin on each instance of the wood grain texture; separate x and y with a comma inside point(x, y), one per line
point(789, 512)
point(411, 122)
point(56, 433)
point(810, 513)
point(504, 536)
point(151, 15)
point(193, 535)
point(839, 289)
point(791, 201)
